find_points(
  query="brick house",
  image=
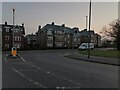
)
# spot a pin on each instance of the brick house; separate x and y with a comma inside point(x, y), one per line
point(60, 36)
point(68, 37)
point(76, 37)
point(95, 38)
point(41, 38)
point(7, 36)
point(54, 36)
point(30, 42)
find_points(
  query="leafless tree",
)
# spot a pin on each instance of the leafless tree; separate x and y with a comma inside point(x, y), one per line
point(113, 32)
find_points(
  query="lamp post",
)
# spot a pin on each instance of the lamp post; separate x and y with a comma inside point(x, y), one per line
point(13, 24)
point(89, 29)
point(86, 21)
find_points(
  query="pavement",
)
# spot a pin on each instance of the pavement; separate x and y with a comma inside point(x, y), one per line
point(50, 69)
point(95, 59)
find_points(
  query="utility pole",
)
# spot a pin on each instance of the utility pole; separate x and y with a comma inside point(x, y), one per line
point(86, 21)
point(89, 30)
point(13, 24)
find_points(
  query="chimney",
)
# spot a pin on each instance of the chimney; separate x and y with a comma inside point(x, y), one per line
point(5, 23)
point(23, 24)
point(52, 23)
point(39, 27)
point(63, 25)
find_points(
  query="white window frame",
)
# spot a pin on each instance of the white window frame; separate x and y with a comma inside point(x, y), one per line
point(7, 46)
point(49, 45)
point(50, 38)
point(49, 32)
point(75, 39)
point(68, 36)
point(65, 39)
point(7, 37)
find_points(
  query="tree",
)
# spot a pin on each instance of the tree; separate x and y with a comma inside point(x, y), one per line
point(113, 32)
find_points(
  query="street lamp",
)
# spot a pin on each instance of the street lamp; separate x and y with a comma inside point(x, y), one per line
point(89, 29)
point(13, 24)
point(86, 21)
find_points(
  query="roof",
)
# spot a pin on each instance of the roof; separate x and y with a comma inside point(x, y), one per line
point(58, 28)
point(86, 33)
point(11, 27)
point(52, 27)
point(31, 36)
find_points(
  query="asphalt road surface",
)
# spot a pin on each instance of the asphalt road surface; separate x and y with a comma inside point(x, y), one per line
point(50, 69)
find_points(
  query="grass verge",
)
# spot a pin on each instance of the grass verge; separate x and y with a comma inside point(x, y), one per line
point(103, 53)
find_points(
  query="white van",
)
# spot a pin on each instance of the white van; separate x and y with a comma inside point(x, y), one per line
point(85, 46)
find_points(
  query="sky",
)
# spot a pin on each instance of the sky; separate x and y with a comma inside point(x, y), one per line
point(72, 14)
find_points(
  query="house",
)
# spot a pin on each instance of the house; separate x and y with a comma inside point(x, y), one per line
point(30, 42)
point(68, 37)
point(10, 38)
point(55, 36)
point(60, 36)
point(41, 38)
point(76, 37)
point(90, 36)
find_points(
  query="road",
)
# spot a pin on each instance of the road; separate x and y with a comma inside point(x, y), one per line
point(50, 69)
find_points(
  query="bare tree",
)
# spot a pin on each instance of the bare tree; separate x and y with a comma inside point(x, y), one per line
point(113, 32)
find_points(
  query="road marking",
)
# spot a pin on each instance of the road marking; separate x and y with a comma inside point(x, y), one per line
point(5, 60)
point(55, 75)
point(23, 59)
point(27, 70)
point(48, 72)
point(29, 79)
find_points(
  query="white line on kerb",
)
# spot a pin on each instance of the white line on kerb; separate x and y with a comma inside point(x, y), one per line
point(23, 59)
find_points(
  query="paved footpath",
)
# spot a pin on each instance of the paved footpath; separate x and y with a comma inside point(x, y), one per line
point(95, 59)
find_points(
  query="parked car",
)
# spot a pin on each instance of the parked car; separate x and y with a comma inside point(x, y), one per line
point(86, 46)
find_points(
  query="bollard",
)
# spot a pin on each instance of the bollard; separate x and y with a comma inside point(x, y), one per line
point(14, 51)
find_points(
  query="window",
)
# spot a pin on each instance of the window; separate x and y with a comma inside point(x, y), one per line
point(75, 39)
point(17, 45)
point(17, 38)
point(68, 36)
point(49, 32)
point(49, 45)
point(50, 38)
point(16, 30)
point(7, 29)
point(59, 44)
point(59, 32)
point(68, 42)
point(6, 46)
point(65, 45)
point(65, 39)
point(6, 37)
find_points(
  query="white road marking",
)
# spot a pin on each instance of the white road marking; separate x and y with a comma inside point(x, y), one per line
point(29, 79)
point(23, 59)
point(57, 75)
point(5, 60)
point(48, 72)
point(27, 70)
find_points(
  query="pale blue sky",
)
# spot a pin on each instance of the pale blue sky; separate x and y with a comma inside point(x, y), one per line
point(72, 14)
